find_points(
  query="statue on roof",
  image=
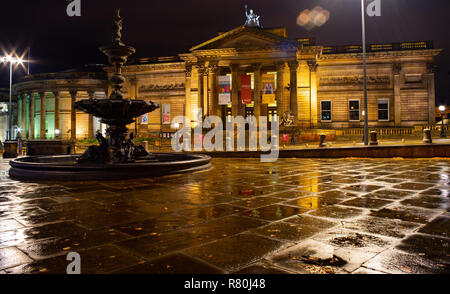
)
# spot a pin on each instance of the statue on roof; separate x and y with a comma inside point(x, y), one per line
point(252, 18)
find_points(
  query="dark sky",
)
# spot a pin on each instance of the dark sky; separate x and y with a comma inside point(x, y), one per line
point(168, 27)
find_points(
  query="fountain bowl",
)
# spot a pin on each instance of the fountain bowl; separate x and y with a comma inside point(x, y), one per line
point(66, 168)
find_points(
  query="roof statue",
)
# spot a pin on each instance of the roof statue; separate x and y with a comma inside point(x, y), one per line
point(252, 18)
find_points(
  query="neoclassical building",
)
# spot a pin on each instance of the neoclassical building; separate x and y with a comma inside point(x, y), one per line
point(321, 86)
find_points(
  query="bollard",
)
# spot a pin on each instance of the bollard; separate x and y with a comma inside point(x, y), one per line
point(323, 139)
point(10, 149)
point(373, 138)
point(427, 136)
point(146, 146)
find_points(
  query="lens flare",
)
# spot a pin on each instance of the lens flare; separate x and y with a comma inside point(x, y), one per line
point(310, 19)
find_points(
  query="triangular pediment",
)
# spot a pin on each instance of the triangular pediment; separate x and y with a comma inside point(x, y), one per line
point(243, 38)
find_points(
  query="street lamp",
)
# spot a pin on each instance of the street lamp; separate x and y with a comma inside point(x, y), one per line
point(11, 60)
point(366, 116)
point(442, 110)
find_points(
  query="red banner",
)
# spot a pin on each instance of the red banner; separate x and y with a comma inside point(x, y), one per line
point(246, 89)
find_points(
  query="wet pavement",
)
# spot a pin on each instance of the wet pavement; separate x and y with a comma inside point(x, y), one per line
point(357, 216)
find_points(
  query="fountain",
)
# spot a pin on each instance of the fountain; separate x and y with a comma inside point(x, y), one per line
point(116, 157)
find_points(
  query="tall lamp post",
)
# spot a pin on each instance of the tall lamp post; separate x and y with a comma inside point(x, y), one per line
point(11, 60)
point(442, 110)
point(366, 112)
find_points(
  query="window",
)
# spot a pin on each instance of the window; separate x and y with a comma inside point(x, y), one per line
point(325, 107)
point(383, 110)
point(353, 110)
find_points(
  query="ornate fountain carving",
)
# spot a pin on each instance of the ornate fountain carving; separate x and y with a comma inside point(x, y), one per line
point(116, 111)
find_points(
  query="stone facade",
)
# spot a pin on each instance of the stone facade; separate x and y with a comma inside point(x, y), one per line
point(321, 86)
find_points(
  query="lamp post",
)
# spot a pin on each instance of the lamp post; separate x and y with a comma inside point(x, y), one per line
point(11, 60)
point(366, 116)
point(442, 110)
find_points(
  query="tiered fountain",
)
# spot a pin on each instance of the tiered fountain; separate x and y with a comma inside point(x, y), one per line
point(116, 157)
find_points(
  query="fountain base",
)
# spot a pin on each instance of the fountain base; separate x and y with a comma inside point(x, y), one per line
point(67, 168)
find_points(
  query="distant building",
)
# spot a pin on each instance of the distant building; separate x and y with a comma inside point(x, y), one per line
point(322, 86)
point(4, 107)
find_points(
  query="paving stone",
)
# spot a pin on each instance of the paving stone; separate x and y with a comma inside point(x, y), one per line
point(439, 226)
point(287, 231)
point(337, 212)
point(316, 222)
point(430, 247)
point(366, 202)
point(11, 256)
point(405, 213)
point(413, 186)
point(396, 262)
point(9, 224)
point(427, 201)
point(381, 226)
point(177, 264)
point(274, 212)
point(234, 252)
point(48, 247)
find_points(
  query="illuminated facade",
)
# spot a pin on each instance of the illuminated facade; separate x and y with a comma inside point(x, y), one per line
point(321, 86)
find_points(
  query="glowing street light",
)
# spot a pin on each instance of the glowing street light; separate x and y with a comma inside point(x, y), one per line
point(442, 110)
point(11, 60)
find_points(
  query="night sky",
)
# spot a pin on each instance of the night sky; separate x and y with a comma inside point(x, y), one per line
point(168, 27)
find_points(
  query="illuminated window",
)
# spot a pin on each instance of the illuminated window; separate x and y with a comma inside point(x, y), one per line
point(383, 110)
point(353, 110)
point(325, 107)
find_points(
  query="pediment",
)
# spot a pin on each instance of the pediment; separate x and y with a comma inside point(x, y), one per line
point(242, 38)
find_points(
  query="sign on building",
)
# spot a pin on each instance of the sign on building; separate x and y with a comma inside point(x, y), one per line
point(166, 114)
point(268, 89)
point(224, 90)
point(144, 119)
point(246, 89)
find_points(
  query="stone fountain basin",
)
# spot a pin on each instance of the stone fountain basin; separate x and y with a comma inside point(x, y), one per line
point(65, 168)
point(116, 111)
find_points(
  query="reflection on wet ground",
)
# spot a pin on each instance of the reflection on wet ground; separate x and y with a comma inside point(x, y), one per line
point(243, 216)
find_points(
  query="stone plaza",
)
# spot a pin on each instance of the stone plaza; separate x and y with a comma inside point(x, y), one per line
point(318, 216)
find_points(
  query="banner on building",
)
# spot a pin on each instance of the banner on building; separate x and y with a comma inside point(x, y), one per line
point(166, 114)
point(246, 89)
point(224, 90)
point(268, 89)
point(144, 119)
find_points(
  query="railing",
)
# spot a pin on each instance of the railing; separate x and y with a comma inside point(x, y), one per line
point(380, 131)
point(420, 45)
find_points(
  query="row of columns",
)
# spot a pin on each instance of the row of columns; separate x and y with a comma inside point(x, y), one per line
point(208, 88)
point(57, 95)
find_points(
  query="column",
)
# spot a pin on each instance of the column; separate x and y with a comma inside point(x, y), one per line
point(188, 102)
point(257, 90)
point(200, 90)
point(431, 94)
point(281, 105)
point(73, 116)
point(214, 90)
point(91, 117)
point(43, 113)
point(31, 117)
point(206, 99)
point(293, 103)
point(235, 89)
point(57, 113)
point(313, 92)
point(24, 116)
point(397, 98)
